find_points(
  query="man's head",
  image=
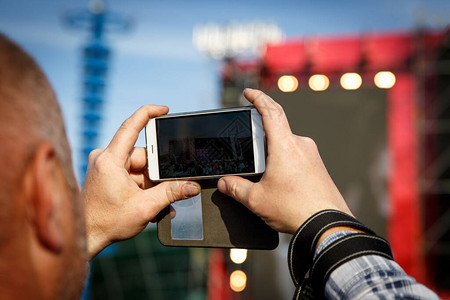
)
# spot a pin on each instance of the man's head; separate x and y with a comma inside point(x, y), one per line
point(42, 238)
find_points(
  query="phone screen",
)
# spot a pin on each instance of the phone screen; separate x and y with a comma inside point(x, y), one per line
point(205, 145)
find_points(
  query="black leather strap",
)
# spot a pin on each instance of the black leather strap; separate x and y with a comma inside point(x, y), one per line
point(304, 241)
point(305, 291)
point(343, 250)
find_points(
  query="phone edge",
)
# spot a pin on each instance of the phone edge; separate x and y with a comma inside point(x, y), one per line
point(152, 150)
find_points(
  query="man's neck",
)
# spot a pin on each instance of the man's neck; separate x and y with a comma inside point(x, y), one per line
point(17, 277)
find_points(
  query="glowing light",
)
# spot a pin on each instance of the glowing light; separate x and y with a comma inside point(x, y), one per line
point(384, 80)
point(238, 256)
point(229, 40)
point(238, 281)
point(351, 81)
point(287, 83)
point(319, 82)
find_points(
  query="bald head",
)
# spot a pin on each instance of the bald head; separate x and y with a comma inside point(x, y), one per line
point(26, 97)
point(42, 234)
point(29, 114)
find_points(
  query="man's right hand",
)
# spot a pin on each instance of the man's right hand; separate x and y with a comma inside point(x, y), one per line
point(119, 197)
point(295, 184)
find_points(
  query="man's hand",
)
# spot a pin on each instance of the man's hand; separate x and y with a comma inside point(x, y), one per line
point(120, 199)
point(295, 184)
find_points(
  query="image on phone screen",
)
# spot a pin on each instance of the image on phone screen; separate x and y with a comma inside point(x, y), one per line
point(205, 145)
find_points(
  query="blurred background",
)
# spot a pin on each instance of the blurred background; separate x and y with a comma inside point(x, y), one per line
point(369, 81)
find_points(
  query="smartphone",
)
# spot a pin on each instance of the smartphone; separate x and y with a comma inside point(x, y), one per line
point(206, 144)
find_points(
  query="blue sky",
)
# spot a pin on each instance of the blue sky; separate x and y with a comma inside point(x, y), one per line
point(155, 62)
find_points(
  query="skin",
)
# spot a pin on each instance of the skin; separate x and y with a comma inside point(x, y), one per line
point(120, 199)
point(48, 230)
point(42, 236)
point(295, 184)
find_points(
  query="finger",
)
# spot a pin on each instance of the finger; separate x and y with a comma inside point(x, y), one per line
point(94, 153)
point(128, 133)
point(138, 159)
point(141, 180)
point(168, 192)
point(236, 187)
point(173, 212)
point(274, 119)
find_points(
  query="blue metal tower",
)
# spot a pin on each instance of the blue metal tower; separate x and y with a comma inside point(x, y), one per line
point(96, 54)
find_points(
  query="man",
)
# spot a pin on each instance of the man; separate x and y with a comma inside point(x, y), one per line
point(43, 233)
point(42, 225)
point(296, 191)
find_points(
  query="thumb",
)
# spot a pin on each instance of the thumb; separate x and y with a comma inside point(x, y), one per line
point(168, 192)
point(236, 187)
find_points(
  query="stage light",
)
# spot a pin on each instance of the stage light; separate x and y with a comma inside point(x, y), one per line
point(351, 81)
point(287, 83)
point(319, 82)
point(238, 256)
point(384, 79)
point(238, 281)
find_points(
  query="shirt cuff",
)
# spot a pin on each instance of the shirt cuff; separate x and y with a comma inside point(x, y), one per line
point(331, 239)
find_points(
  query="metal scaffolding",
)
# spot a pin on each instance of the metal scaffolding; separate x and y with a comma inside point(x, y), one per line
point(97, 20)
point(433, 75)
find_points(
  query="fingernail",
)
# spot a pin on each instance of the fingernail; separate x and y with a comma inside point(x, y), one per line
point(221, 185)
point(190, 189)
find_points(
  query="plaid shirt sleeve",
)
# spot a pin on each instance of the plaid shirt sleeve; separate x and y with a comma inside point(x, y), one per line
point(371, 277)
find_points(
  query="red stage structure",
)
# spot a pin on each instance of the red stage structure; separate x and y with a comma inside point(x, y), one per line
point(411, 102)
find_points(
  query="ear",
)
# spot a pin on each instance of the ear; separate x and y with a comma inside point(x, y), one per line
point(44, 193)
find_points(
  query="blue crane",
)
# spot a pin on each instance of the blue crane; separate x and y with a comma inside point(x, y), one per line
point(96, 57)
